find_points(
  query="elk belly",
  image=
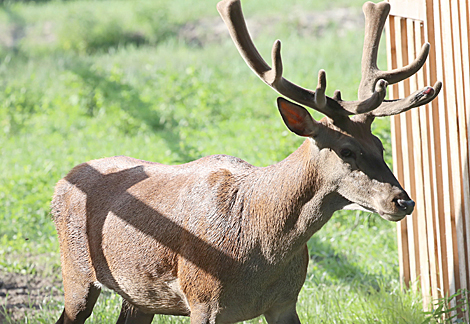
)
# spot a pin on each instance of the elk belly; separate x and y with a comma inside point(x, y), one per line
point(162, 296)
point(139, 268)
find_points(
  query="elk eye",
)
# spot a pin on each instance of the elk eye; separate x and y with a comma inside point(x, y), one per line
point(346, 153)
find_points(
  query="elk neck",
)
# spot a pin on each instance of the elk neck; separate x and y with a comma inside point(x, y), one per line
point(288, 202)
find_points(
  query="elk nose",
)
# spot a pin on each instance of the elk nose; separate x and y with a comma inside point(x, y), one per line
point(405, 205)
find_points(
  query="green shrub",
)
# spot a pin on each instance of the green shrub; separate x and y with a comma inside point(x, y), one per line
point(156, 21)
point(85, 32)
point(18, 103)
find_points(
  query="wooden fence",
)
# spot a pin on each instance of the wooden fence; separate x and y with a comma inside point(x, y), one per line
point(431, 146)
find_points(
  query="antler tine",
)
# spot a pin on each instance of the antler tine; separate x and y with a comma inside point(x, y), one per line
point(405, 72)
point(416, 99)
point(375, 17)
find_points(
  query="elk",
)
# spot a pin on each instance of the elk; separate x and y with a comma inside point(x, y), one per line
point(220, 240)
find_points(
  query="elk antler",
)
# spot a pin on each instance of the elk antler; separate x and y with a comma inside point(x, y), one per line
point(374, 82)
point(375, 17)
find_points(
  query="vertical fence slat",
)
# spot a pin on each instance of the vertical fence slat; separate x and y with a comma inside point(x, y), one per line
point(438, 106)
point(403, 252)
point(453, 216)
point(436, 244)
point(427, 213)
point(419, 220)
point(403, 91)
point(464, 41)
point(462, 182)
point(448, 115)
point(402, 230)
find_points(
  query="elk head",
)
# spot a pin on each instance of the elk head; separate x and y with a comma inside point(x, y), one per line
point(346, 153)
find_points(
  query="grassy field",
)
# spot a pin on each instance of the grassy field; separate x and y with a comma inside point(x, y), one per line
point(160, 81)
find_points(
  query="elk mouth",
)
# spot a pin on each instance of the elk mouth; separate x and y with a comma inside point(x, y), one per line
point(402, 208)
point(399, 210)
point(392, 217)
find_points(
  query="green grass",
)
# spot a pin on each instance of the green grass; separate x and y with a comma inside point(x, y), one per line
point(94, 90)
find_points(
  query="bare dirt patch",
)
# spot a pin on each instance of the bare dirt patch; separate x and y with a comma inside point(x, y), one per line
point(26, 293)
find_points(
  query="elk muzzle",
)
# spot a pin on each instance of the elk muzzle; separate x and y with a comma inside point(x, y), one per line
point(396, 206)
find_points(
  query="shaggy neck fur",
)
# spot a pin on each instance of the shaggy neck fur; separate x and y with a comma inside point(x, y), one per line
point(286, 203)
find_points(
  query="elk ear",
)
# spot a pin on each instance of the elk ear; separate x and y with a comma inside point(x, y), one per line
point(297, 118)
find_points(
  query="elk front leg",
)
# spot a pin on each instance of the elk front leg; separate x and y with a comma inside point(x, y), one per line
point(282, 315)
point(131, 315)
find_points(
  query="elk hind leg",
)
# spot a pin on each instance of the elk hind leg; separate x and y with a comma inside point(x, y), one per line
point(79, 302)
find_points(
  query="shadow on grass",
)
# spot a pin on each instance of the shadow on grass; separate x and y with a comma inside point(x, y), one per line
point(337, 267)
